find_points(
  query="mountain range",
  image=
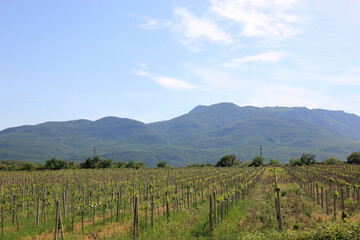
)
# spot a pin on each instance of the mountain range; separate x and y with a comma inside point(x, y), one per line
point(203, 135)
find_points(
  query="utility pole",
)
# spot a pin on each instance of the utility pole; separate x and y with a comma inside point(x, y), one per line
point(260, 150)
point(94, 152)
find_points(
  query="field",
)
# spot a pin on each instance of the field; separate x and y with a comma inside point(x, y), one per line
point(308, 202)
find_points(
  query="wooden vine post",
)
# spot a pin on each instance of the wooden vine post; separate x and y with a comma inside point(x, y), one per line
point(56, 220)
point(152, 211)
point(211, 214)
point(335, 195)
point(327, 202)
point(277, 190)
point(136, 218)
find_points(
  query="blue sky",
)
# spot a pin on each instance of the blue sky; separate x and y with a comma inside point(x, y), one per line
point(155, 60)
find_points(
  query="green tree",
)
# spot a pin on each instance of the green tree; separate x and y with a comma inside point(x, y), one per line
point(332, 160)
point(307, 159)
point(161, 164)
point(227, 161)
point(295, 162)
point(257, 161)
point(29, 166)
point(354, 158)
point(130, 164)
point(3, 167)
point(104, 163)
point(54, 164)
point(139, 165)
point(274, 162)
point(120, 164)
point(89, 163)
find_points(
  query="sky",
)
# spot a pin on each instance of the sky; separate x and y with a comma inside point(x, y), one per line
point(155, 60)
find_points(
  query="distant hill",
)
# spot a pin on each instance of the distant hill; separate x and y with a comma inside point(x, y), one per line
point(203, 135)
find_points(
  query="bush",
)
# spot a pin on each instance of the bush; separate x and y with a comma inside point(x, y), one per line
point(295, 162)
point(274, 162)
point(104, 163)
point(307, 159)
point(257, 161)
point(332, 160)
point(354, 158)
point(54, 164)
point(161, 164)
point(227, 161)
point(29, 166)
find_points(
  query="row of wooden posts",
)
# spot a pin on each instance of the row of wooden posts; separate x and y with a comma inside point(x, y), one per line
point(321, 195)
point(183, 196)
point(277, 201)
point(218, 211)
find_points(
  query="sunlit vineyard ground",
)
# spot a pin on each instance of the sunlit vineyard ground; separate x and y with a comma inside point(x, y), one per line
point(182, 203)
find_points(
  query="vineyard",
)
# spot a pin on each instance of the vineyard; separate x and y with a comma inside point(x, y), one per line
point(240, 202)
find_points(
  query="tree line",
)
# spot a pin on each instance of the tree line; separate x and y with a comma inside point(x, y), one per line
point(57, 164)
point(226, 161)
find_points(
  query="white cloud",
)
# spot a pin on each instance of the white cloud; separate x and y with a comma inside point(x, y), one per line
point(152, 23)
point(263, 57)
point(195, 28)
point(261, 18)
point(168, 82)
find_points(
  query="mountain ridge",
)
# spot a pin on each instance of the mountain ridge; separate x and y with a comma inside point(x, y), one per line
point(203, 134)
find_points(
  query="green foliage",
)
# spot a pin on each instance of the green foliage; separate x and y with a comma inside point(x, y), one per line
point(295, 162)
point(354, 158)
point(161, 164)
point(89, 163)
point(200, 165)
point(257, 161)
point(227, 161)
point(104, 163)
point(332, 160)
point(29, 166)
point(274, 162)
point(120, 164)
point(54, 164)
point(3, 167)
point(136, 165)
point(97, 162)
point(307, 159)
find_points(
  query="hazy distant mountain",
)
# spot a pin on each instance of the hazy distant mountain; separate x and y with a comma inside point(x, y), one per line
point(203, 135)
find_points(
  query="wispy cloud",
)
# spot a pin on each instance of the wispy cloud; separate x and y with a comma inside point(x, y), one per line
point(263, 57)
point(167, 82)
point(225, 22)
point(155, 24)
point(262, 18)
point(193, 28)
point(152, 23)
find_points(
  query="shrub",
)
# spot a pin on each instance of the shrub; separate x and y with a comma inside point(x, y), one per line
point(332, 160)
point(307, 159)
point(257, 161)
point(274, 162)
point(161, 164)
point(227, 161)
point(354, 158)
